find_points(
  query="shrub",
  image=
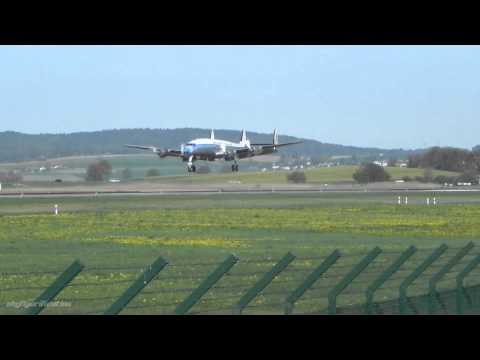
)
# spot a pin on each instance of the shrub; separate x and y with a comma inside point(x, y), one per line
point(297, 177)
point(442, 179)
point(468, 177)
point(152, 172)
point(99, 171)
point(370, 172)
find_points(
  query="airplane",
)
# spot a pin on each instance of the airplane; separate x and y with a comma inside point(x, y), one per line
point(212, 149)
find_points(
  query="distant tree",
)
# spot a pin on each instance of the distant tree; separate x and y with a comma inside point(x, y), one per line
point(428, 175)
point(126, 174)
point(152, 172)
point(392, 162)
point(468, 177)
point(297, 177)
point(370, 172)
point(414, 161)
point(10, 177)
point(442, 179)
point(99, 171)
point(446, 158)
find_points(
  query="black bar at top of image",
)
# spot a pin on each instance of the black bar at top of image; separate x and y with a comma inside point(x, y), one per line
point(318, 26)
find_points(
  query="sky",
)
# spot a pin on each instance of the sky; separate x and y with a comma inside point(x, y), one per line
point(370, 96)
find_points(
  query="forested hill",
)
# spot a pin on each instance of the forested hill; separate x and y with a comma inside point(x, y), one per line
point(22, 147)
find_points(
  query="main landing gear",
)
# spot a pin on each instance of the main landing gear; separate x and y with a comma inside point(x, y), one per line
point(190, 166)
point(235, 167)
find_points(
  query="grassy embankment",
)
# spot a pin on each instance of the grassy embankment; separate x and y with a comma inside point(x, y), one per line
point(116, 238)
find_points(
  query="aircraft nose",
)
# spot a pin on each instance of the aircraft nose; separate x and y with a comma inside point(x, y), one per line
point(188, 149)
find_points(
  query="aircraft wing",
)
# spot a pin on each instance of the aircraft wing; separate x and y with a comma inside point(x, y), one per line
point(277, 145)
point(151, 148)
point(161, 152)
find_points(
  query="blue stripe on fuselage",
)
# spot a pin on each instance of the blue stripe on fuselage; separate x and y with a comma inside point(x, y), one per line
point(201, 149)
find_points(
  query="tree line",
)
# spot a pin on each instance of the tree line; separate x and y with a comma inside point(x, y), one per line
point(16, 146)
point(447, 158)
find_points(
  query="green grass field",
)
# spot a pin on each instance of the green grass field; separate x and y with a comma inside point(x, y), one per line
point(73, 169)
point(117, 237)
point(173, 170)
point(314, 176)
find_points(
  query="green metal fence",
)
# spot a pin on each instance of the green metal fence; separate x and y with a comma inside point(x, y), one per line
point(409, 281)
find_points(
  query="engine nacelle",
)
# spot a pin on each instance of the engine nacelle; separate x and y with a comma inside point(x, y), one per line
point(266, 150)
point(229, 157)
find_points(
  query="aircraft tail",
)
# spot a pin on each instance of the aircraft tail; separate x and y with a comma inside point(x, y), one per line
point(243, 137)
point(275, 144)
point(212, 135)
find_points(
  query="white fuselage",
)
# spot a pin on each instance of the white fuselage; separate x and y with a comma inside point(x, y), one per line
point(210, 149)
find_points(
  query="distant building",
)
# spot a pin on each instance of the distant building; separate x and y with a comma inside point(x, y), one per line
point(381, 163)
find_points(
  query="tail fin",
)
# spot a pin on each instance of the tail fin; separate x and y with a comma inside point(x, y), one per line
point(243, 138)
point(275, 137)
point(212, 135)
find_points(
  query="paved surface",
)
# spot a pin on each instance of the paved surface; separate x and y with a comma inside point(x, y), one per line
point(206, 190)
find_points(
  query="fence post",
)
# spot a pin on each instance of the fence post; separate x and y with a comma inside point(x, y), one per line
point(379, 281)
point(435, 279)
point(206, 285)
point(460, 279)
point(55, 288)
point(261, 284)
point(347, 279)
point(136, 287)
point(403, 301)
point(309, 281)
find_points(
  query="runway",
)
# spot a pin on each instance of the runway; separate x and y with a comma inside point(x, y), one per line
point(240, 191)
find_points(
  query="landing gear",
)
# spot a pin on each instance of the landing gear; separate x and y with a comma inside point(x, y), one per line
point(190, 166)
point(235, 167)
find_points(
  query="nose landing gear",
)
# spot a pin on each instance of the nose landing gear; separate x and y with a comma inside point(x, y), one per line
point(235, 167)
